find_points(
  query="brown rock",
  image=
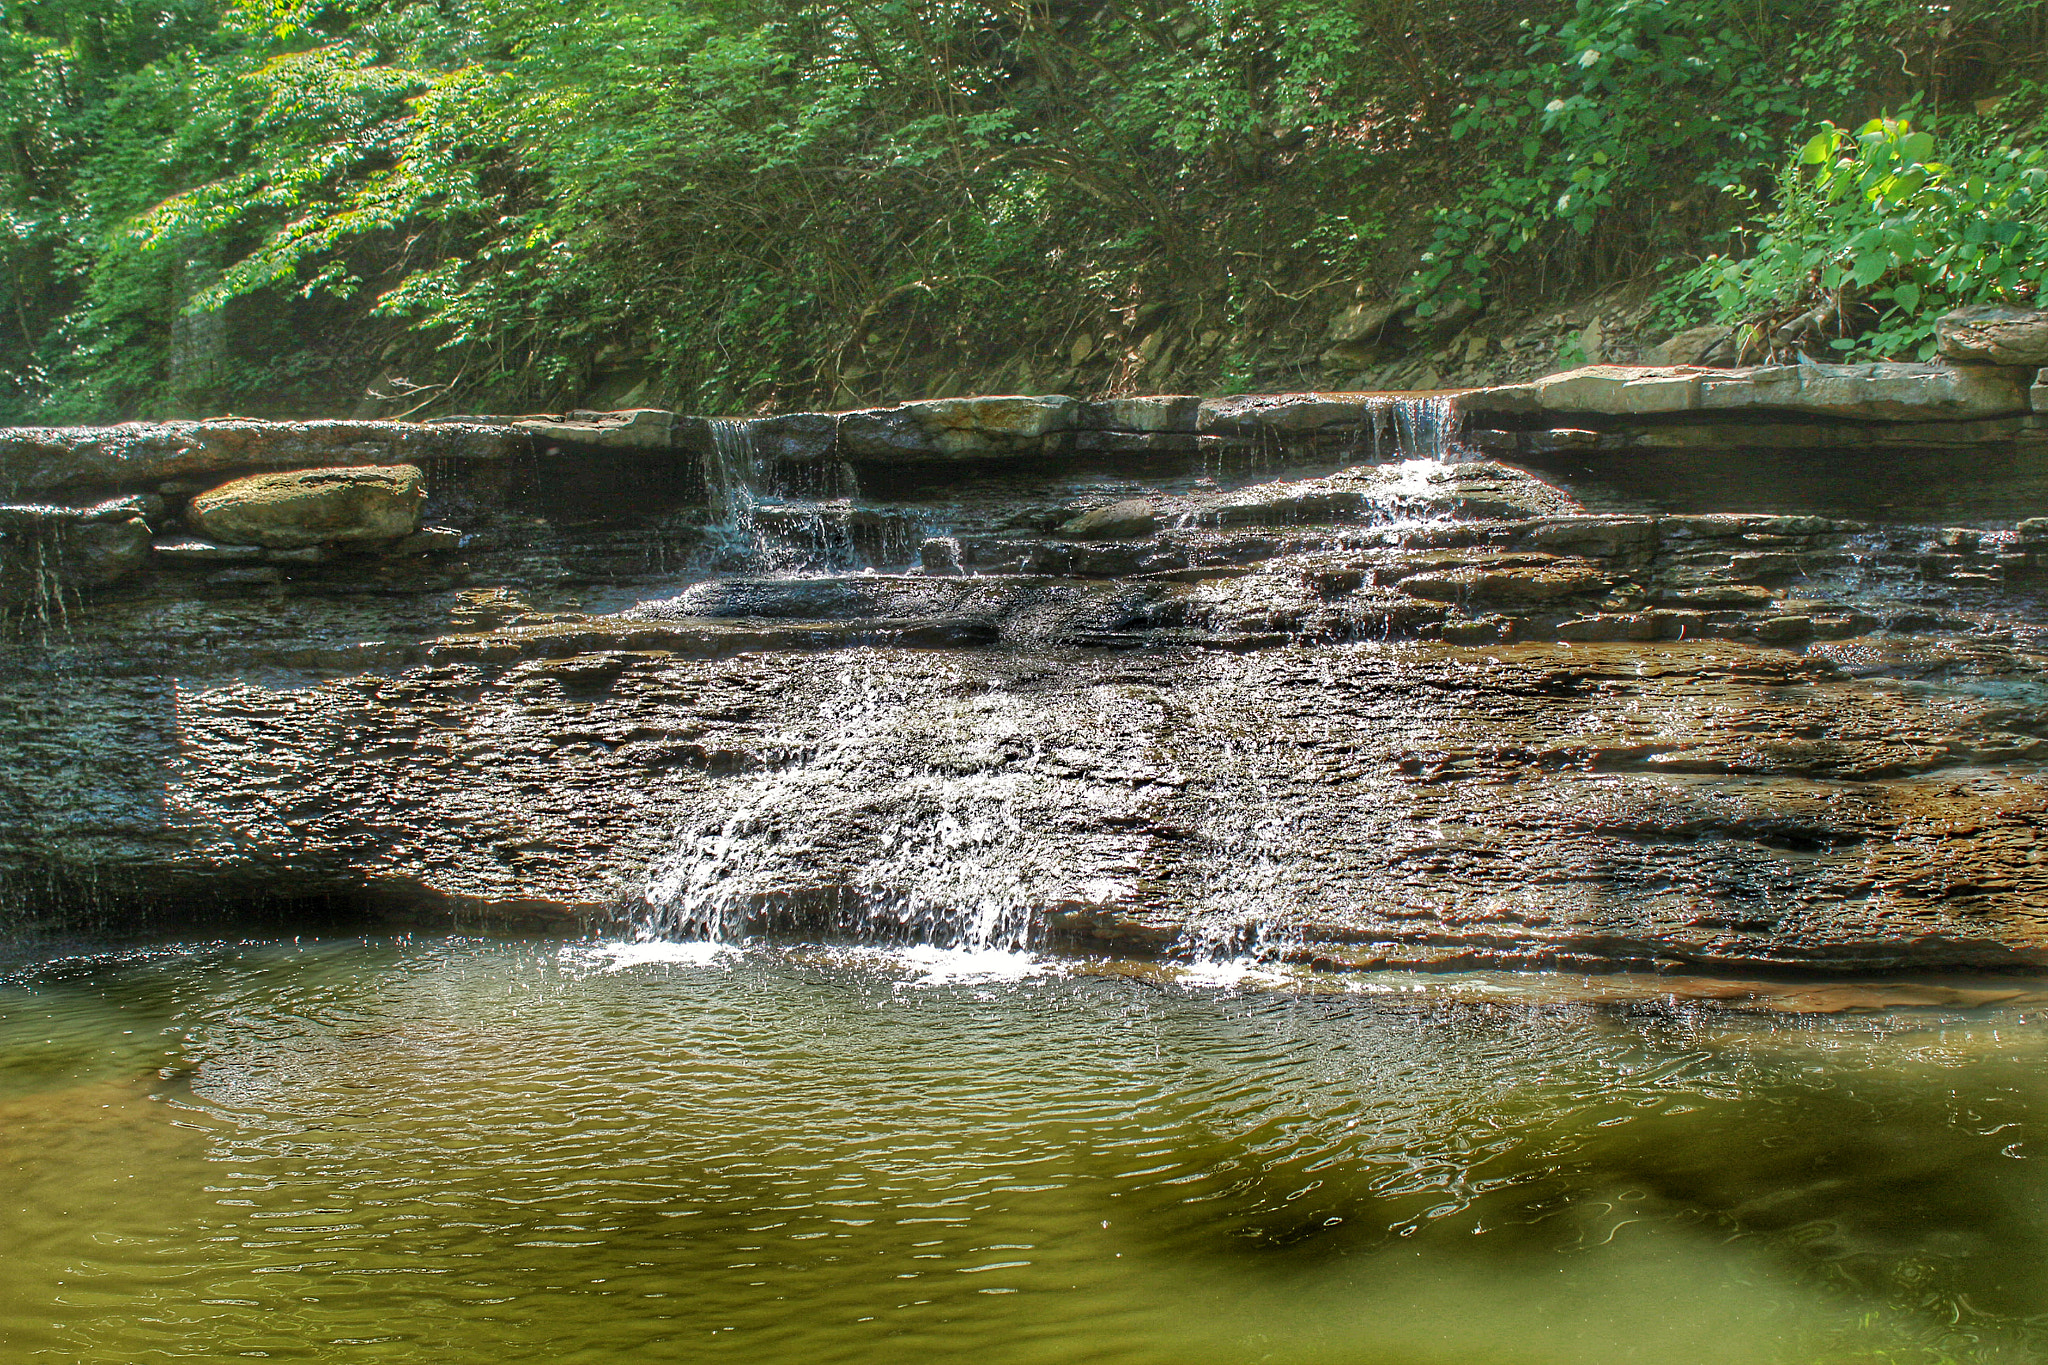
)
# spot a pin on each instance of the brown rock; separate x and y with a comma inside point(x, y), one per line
point(1524, 583)
point(313, 507)
point(1993, 335)
point(628, 429)
point(1691, 346)
point(1132, 519)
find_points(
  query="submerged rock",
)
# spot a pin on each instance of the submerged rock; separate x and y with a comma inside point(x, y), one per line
point(313, 507)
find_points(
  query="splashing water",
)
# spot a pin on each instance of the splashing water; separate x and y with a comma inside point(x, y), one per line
point(1393, 427)
point(1415, 429)
point(946, 864)
point(770, 520)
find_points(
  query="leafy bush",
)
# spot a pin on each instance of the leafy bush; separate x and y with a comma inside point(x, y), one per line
point(1871, 238)
point(749, 198)
point(1625, 98)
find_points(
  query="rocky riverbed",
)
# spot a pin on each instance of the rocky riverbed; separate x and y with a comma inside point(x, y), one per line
point(1356, 679)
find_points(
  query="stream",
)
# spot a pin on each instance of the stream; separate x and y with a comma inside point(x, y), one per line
point(485, 1150)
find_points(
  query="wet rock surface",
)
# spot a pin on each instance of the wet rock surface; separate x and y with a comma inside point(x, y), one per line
point(1881, 392)
point(1277, 696)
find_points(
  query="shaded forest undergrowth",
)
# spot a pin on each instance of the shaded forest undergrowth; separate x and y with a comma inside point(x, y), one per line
point(289, 207)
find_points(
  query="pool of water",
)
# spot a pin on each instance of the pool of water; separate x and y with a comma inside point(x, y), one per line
point(508, 1150)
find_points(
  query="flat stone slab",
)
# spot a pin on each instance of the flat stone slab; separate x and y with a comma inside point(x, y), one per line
point(955, 428)
point(1877, 392)
point(38, 462)
point(628, 429)
point(1995, 336)
point(42, 460)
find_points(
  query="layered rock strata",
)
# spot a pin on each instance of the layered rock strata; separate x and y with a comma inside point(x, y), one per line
point(1280, 687)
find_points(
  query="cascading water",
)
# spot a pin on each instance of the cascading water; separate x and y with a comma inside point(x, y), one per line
point(946, 850)
point(772, 520)
point(36, 596)
point(946, 857)
point(1415, 428)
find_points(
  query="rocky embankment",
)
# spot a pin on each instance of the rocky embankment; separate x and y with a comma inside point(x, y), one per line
point(1671, 668)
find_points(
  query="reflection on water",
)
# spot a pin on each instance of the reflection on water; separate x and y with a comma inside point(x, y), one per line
point(503, 1151)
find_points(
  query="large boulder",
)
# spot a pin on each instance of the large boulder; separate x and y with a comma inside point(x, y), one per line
point(1364, 321)
point(1992, 335)
point(313, 506)
point(1691, 346)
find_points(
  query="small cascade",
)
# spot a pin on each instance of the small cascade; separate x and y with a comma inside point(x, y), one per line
point(37, 595)
point(732, 470)
point(778, 519)
point(1247, 848)
point(1421, 427)
point(1390, 428)
point(947, 857)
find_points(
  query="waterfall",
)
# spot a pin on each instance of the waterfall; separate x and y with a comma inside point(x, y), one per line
point(731, 472)
point(731, 476)
point(899, 808)
point(770, 518)
point(1414, 428)
point(944, 857)
point(36, 593)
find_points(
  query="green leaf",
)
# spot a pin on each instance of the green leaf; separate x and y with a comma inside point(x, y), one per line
point(1818, 148)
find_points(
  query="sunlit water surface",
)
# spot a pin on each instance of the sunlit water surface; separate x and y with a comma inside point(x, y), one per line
point(491, 1151)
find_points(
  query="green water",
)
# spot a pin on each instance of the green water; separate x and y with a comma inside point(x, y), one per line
point(469, 1151)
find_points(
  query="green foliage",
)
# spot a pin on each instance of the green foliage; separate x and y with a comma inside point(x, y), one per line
point(1872, 218)
point(722, 203)
point(745, 199)
point(1623, 99)
point(1626, 132)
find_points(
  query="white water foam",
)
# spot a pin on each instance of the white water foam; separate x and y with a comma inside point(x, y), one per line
point(618, 955)
point(948, 862)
